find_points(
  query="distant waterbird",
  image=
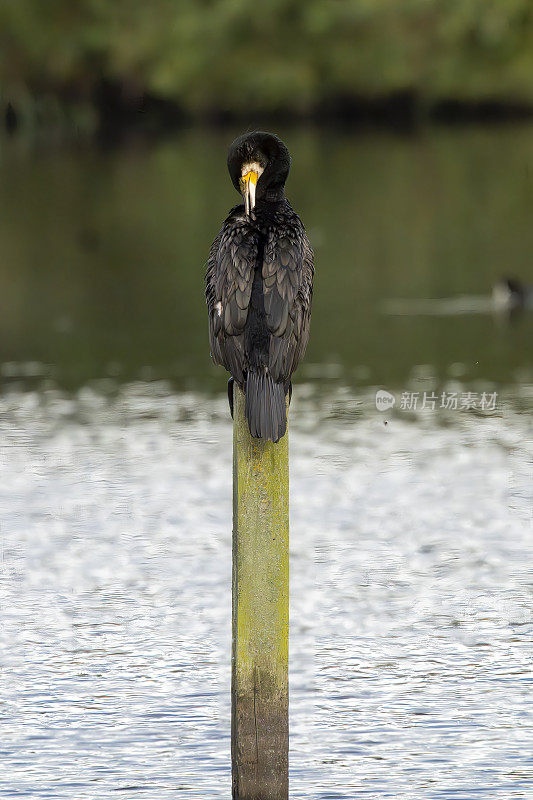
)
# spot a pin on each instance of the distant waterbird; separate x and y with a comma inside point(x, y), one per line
point(510, 295)
point(259, 284)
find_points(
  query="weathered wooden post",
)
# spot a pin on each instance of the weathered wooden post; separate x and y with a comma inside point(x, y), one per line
point(260, 647)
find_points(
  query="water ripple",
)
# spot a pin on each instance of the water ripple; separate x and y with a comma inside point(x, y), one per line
point(411, 599)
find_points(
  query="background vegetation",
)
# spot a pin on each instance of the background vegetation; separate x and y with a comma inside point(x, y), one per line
point(298, 57)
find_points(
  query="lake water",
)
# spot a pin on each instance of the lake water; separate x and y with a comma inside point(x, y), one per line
point(410, 527)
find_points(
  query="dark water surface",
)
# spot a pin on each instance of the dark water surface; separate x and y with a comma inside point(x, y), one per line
point(102, 254)
point(411, 541)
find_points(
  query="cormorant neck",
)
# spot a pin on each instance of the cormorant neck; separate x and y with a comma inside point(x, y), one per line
point(274, 194)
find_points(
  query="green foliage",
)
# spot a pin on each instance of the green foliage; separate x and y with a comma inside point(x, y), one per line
point(276, 55)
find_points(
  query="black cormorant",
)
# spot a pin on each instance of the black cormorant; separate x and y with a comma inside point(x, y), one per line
point(259, 284)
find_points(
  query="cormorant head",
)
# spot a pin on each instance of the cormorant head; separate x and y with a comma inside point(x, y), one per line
point(258, 165)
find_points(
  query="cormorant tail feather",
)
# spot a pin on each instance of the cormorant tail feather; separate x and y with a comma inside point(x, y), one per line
point(264, 406)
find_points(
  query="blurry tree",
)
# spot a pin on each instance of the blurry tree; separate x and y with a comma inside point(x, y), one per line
point(278, 55)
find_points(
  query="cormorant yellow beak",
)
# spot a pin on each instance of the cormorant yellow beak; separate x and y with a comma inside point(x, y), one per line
point(248, 183)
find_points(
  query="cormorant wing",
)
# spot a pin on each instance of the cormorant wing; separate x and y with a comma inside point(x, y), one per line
point(229, 279)
point(287, 289)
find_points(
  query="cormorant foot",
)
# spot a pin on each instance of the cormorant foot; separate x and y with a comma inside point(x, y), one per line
point(231, 381)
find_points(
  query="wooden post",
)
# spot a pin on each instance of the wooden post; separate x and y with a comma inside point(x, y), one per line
point(260, 647)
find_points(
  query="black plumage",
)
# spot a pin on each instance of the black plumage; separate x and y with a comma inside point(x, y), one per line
point(259, 284)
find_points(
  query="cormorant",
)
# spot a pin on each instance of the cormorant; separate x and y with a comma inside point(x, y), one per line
point(259, 284)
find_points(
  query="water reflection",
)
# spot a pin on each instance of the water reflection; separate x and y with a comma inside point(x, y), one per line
point(410, 596)
point(102, 254)
point(410, 528)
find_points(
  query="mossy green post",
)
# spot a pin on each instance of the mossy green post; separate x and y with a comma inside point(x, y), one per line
point(260, 648)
